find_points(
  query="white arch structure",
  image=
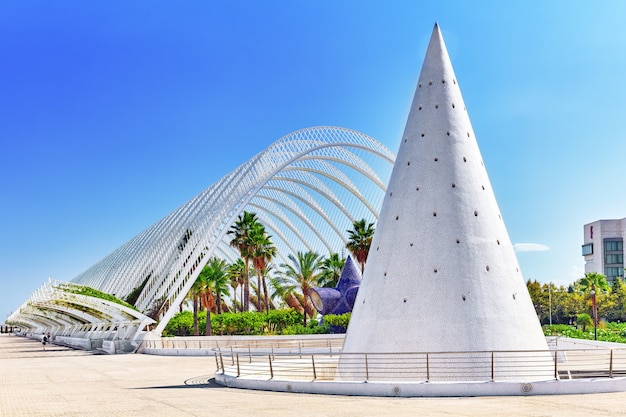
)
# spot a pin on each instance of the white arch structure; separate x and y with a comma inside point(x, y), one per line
point(306, 188)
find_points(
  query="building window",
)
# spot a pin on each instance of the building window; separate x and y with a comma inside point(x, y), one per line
point(588, 249)
point(613, 245)
point(615, 258)
point(612, 272)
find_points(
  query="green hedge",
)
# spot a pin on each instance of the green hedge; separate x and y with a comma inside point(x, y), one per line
point(92, 292)
point(275, 322)
point(607, 332)
point(337, 323)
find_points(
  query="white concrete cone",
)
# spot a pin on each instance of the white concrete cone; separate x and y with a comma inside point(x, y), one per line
point(442, 275)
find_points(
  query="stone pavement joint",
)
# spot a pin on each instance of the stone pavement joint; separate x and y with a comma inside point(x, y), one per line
point(64, 382)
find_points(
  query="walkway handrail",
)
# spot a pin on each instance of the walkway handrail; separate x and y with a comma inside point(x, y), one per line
point(331, 342)
point(484, 366)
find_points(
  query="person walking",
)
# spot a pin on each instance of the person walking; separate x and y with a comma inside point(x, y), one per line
point(44, 340)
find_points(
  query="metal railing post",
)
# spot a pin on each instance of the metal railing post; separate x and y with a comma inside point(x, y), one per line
point(556, 360)
point(217, 364)
point(367, 371)
point(222, 362)
point(314, 371)
point(232, 355)
point(492, 366)
point(238, 370)
point(427, 369)
point(611, 364)
point(271, 369)
point(249, 354)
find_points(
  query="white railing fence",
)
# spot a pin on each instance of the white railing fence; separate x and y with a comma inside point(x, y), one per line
point(300, 362)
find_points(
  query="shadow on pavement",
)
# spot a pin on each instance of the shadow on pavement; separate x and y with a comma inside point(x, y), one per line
point(196, 382)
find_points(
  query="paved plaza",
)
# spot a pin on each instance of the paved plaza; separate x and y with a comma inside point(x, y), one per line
point(65, 382)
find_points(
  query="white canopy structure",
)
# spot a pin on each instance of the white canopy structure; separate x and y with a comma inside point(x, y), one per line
point(307, 188)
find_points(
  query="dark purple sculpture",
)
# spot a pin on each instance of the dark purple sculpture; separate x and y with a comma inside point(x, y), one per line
point(338, 300)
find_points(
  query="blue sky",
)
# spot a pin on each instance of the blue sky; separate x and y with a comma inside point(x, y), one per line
point(112, 114)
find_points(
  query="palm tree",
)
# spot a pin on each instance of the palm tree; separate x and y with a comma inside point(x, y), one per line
point(331, 270)
point(302, 275)
point(213, 283)
point(263, 251)
point(583, 320)
point(265, 273)
point(593, 282)
point(236, 273)
point(360, 240)
point(240, 232)
point(194, 296)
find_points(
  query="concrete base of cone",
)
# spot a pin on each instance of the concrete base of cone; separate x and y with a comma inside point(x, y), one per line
point(578, 367)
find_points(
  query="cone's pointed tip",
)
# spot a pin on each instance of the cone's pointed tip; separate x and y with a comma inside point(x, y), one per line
point(436, 33)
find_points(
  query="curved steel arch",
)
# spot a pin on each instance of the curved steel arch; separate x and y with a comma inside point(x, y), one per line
point(344, 172)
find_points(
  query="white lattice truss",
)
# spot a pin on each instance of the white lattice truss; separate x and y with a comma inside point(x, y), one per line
point(307, 188)
point(73, 317)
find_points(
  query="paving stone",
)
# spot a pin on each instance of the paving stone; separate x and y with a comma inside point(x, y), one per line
point(64, 382)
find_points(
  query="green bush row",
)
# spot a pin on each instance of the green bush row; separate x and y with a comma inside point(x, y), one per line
point(275, 322)
point(607, 332)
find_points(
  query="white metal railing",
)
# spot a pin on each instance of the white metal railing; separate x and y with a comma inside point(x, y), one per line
point(243, 343)
point(318, 363)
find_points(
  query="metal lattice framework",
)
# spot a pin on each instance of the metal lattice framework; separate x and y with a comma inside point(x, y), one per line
point(77, 319)
point(306, 188)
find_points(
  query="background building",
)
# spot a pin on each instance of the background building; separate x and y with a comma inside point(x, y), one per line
point(603, 247)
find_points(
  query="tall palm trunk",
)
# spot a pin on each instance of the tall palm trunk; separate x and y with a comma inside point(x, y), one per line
point(195, 316)
point(260, 287)
point(246, 287)
point(267, 300)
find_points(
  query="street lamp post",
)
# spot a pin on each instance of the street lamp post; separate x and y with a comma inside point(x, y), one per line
point(550, 301)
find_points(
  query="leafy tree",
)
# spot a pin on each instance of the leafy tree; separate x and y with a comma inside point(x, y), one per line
point(359, 240)
point(213, 283)
point(584, 320)
point(573, 303)
point(617, 310)
point(241, 232)
point(534, 289)
point(266, 272)
point(593, 283)
point(194, 295)
point(331, 268)
point(180, 324)
point(262, 251)
point(236, 274)
point(297, 279)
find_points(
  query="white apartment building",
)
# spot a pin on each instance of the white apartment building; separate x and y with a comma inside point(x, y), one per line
point(603, 247)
